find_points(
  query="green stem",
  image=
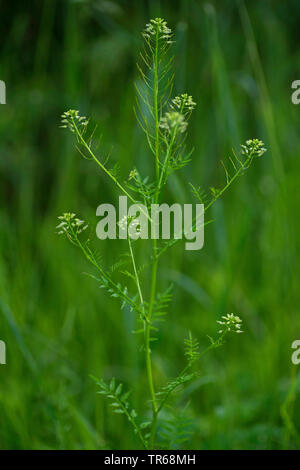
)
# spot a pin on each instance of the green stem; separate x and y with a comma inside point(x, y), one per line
point(132, 421)
point(156, 106)
point(147, 346)
point(89, 256)
point(166, 161)
point(147, 332)
point(167, 158)
point(162, 403)
point(238, 173)
point(88, 148)
point(155, 262)
point(214, 345)
point(240, 170)
point(137, 280)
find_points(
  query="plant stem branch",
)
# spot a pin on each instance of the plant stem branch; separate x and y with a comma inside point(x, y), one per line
point(111, 176)
point(156, 106)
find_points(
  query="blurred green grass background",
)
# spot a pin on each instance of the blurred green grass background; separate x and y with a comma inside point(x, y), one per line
point(238, 60)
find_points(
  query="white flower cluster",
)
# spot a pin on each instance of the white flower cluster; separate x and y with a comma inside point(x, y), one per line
point(126, 220)
point(172, 120)
point(184, 102)
point(70, 224)
point(133, 174)
point(254, 148)
point(71, 118)
point(160, 27)
point(230, 322)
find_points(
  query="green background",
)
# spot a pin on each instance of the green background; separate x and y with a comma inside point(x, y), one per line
point(238, 60)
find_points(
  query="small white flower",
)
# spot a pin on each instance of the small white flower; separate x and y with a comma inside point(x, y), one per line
point(71, 118)
point(157, 27)
point(172, 120)
point(126, 220)
point(183, 103)
point(230, 322)
point(123, 222)
point(70, 224)
point(132, 174)
point(254, 148)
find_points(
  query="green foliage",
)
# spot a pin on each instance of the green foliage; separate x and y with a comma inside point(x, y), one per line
point(191, 349)
point(165, 125)
point(57, 325)
point(120, 405)
point(176, 430)
point(164, 394)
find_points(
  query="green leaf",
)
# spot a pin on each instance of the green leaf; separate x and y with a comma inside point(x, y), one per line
point(112, 384)
point(145, 424)
point(119, 411)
